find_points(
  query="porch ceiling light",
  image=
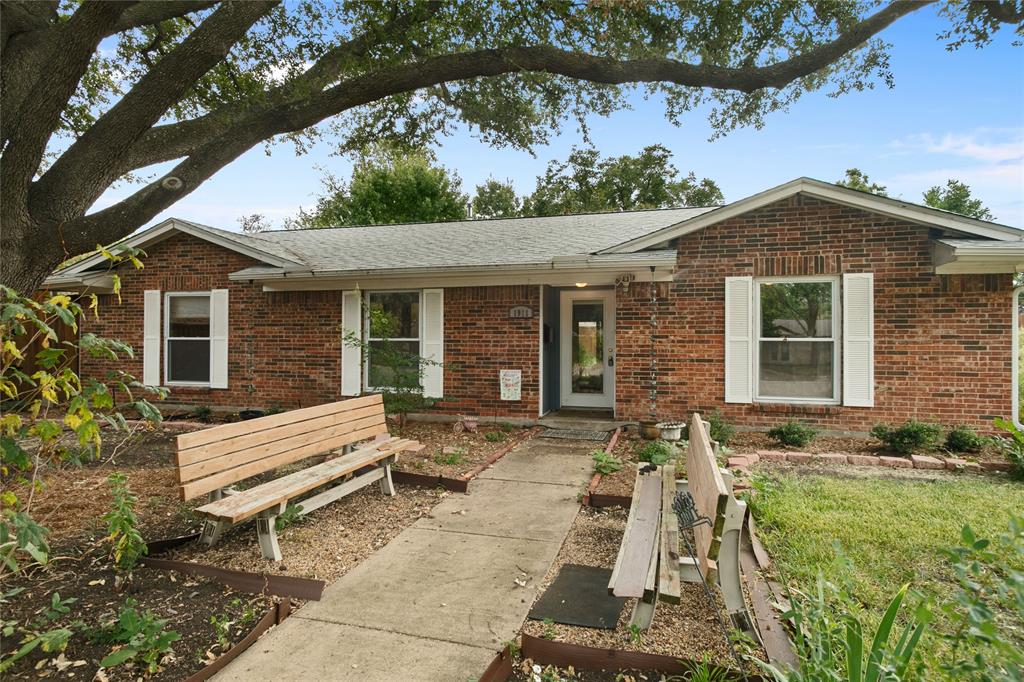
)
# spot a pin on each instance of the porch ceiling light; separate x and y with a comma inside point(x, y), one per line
point(581, 284)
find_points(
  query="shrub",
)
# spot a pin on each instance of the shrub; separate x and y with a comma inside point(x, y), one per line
point(126, 542)
point(657, 452)
point(1012, 447)
point(910, 436)
point(720, 430)
point(963, 438)
point(506, 427)
point(605, 463)
point(203, 413)
point(494, 436)
point(793, 433)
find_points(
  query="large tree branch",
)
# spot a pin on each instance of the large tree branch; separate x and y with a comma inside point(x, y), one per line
point(209, 154)
point(89, 165)
point(178, 140)
point(155, 11)
point(68, 48)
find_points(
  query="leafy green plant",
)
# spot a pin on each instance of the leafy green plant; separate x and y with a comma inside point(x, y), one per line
point(291, 515)
point(1012, 446)
point(990, 582)
point(830, 640)
point(506, 427)
point(909, 437)
point(123, 534)
point(39, 634)
point(636, 634)
point(494, 436)
point(720, 430)
point(139, 638)
point(451, 459)
point(53, 386)
point(203, 413)
point(703, 672)
point(657, 452)
point(605, 463)
point(549, 631)
point(793, 434)
point(963, 438)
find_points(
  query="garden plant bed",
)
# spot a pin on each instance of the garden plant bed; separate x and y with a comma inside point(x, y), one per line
point(801, 513)
point(72, 501)
point(688, 631)
point(451, 455)
point(750, 442)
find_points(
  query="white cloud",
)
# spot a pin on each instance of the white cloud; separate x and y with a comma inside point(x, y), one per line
point(987, 145)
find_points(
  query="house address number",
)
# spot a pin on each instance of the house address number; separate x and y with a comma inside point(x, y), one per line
point(520, 311)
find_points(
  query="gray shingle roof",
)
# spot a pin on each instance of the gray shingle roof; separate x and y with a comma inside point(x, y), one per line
point(512, 241)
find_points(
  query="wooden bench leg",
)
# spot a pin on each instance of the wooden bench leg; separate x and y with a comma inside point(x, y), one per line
point(386, 485)
point(266, 532)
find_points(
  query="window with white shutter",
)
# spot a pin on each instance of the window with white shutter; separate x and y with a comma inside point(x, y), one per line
point(433, 343)
point(195, 335)
point(151, 337)
point(351, 351)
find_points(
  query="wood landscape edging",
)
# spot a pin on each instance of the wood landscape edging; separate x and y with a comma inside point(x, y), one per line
point(597, 500)
point(457, 485)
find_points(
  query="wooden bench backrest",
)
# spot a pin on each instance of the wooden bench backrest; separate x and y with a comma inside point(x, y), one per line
point(222, 455)
point(710, 494)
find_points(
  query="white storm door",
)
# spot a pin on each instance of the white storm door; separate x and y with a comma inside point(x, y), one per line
point(587, 353)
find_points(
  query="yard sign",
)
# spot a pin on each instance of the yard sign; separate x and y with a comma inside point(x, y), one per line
point(511, 384)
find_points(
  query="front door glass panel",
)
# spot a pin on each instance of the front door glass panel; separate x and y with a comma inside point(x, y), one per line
point(588, 347)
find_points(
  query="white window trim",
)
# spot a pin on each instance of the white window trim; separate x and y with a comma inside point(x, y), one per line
point(167, 337)
point(366, 332)
point(836, 340)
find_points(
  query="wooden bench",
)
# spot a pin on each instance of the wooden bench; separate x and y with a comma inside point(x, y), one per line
point(650, 565)
point(211, 461)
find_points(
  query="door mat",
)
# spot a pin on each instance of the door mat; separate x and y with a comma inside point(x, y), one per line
point(575, 434)
point(579, 596)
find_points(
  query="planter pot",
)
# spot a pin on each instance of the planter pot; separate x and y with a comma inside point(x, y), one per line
point(671, 431)
point(649, 429)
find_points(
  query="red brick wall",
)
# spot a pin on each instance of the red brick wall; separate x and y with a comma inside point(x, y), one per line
point(284, 348)
point(480, 340)
point(942, 343)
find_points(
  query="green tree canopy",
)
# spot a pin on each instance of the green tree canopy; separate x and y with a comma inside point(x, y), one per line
point(956, 197)
point(586, 182)
point(388, 187)
point(855, 178)
point(495, 199)
point(195, 85)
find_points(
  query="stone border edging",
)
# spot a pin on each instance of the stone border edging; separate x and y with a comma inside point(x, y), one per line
point(926, 462)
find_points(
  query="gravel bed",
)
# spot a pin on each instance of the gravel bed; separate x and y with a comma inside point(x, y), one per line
point(688, 630)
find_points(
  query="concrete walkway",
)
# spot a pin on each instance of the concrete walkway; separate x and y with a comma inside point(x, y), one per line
point(439, 600)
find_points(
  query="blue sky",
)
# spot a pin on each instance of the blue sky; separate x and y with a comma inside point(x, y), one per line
point(951, 115)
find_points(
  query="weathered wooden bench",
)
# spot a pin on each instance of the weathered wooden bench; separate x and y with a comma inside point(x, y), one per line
point(211, 461)
point(650, 566)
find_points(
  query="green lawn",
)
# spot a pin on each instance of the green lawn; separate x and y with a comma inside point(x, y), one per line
point(891, 531)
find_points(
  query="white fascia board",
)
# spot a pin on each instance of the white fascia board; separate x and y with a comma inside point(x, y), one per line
point(840, 195)
point(90, 282)
point(168, 228)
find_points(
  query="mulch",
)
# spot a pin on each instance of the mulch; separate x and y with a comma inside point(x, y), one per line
point(71, 502)
point(746, 442)
point(474, 447)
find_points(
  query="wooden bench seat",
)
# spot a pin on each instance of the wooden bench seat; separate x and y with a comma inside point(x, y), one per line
point(213, 460)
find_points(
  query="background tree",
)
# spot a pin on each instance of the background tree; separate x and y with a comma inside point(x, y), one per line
point(388, 187)
point(956, 197)
point(495, 199)
point(586, 182)
point(197, 84)
point(857, 179)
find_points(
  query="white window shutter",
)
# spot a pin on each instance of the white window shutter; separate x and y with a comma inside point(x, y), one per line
point(151, 337)
point(739, 339)
point(859, 340)
point(432, 344)
point(351, 356)
point(219, 338)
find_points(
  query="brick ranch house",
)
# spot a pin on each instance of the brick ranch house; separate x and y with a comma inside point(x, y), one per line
point(808, 301)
